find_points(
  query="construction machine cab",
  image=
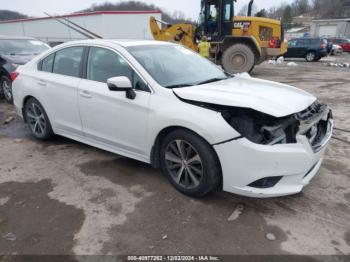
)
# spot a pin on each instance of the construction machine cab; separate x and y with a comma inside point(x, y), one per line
point(216, 18)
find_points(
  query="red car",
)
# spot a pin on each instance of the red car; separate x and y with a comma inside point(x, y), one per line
point(343, 42)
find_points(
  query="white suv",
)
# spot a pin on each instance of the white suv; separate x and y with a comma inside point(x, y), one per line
point(163, 104)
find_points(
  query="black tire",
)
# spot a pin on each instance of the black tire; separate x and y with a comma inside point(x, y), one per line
point(209, 164)
point(6, 89)
point(41, 122)
point(310, 56)
point(238, 58)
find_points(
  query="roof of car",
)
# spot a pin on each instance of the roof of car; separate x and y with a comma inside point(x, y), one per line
point(120, 42)
point(310, 38)
point(133, 42)
point(8, 37)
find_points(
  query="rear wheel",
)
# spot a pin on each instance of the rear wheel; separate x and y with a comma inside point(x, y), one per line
point(6, 88)
point(310, 56)
point(37, 120)
point(238, 58)
point(190, 163)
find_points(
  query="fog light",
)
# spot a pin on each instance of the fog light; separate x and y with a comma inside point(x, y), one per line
point(266, 182)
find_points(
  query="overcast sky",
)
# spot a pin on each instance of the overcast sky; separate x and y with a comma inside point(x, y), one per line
point(189, 7)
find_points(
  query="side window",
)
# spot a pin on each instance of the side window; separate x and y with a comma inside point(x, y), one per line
point(228, 12)
point(213, 13)
point(301, 42)
point(104, 64)
point(139, 84)
point(317, 41)
point(265, 33)
point(47, 63)
point(292, 43)
point(67, 61)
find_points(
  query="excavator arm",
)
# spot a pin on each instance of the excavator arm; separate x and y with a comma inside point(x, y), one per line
point(180, 33)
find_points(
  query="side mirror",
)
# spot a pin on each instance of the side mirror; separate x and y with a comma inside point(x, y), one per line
point(121, 84)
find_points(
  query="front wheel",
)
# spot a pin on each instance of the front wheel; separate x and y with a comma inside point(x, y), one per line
point(190, 163)
point(239, 58)
point(6, 88)
point(37, 120)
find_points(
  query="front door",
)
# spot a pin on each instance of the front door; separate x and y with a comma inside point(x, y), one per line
point(108, 117)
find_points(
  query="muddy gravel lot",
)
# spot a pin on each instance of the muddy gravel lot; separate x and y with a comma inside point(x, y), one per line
point(63, 197)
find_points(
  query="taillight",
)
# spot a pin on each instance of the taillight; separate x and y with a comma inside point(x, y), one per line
point(13, 76)
point(323, 45)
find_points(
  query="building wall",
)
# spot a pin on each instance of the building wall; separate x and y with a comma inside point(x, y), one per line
point(124, 25)
point(347, 30)
point(341, 28)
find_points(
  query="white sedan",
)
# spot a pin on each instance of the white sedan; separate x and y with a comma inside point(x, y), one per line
point(163, 104)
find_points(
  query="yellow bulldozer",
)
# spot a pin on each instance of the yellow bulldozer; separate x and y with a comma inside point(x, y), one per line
point(238, 43)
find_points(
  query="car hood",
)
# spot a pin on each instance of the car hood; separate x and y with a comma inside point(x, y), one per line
point(268, 97)
point(19, 59)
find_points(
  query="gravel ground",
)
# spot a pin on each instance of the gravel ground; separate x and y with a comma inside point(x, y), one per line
point(63, 197)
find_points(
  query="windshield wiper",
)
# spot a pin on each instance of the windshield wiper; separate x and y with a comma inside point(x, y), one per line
point(179, 85)
point(216, 79)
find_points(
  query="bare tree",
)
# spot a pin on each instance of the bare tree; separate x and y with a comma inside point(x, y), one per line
point(176, 17)
point(331, 9)
point(244, 10)
point(10, 15)
point(301, 7)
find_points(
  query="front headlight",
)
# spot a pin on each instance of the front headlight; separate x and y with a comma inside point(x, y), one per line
point(261, 128)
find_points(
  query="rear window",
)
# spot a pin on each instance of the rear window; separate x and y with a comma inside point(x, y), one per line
point(22, 46)
point(265, 33)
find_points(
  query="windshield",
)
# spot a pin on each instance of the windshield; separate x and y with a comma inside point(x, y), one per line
point(22, 46)
point(175, 66)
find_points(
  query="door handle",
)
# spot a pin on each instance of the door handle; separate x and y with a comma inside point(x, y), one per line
point(85, 94)
point(42, 83)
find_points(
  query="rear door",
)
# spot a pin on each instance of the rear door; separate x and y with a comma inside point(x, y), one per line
point(292, 48)
point(295, 48)
point(109, 118)
point(58, 78)
point(304, 46)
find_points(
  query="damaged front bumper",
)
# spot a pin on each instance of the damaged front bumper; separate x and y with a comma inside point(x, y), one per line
point(285, 169)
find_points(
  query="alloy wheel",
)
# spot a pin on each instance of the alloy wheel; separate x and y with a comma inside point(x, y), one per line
point(7, 89)
point(36, 119)
point(184, 164)
point(311, 56)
